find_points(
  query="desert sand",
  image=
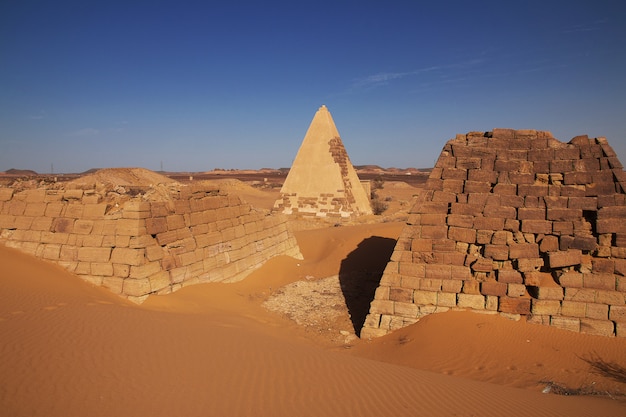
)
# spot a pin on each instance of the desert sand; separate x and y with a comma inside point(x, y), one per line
point(68, 348)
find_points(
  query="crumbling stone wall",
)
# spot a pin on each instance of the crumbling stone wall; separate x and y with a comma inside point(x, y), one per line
point(516, 223)
point(139, 247)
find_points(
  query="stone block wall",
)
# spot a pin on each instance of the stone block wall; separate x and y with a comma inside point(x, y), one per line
point(516, 223)
point(140, 247)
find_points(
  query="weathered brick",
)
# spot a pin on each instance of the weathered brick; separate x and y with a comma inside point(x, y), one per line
point(136, 287)
point(493, 288)
point(406, 309)
point(537, 226)
point(87, 254)
point(473, 301)
point(564, 258)
point(550, 293)
point(609, 297)
point(128, 256)
point(597, 311)
point(531, 213)
point(599, 281)
point(565, 323)
point(523, 250)
point(497, 252)
point(382, 307)
point(461, 234)
point(617, 313)
point(597, 327)
point(574, 308)
point(546, 307)
point(424, 297)
point(489, 223)
point(401, 294)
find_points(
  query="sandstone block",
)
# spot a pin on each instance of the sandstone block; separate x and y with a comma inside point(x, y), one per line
point(571, 279)
point(159, 281)
point(114, 284)
point(516, 290)
point(424, 297)
point(489, 223)
point(497, 252)
point(482, 265)
point(462, 234)
point(427, 284)
point(573, 309)
point(83, 227)
point(560, 259)
point(6, 194)
point(88, 254)
point(566, 323)
point(609, 297)
point(136, 287)
point(493, 288)
point(471, 287)
point(537, 226)
point(617, 313)
point(510, 276)
point(473, 301)
point(546, 307)
point(406, 309)
point(581, 294)
point(550, 293)
point(51, 251)
point(597, 311)
point(404, 295)
point(144, 271)
point(597, 327)
point(103, 269)
point(452, 286)
point(523, 251)
point(128, 256)
point(599, 281)
point(446, 299)
point(435, 271)
point(434, 232)
point(531, 213)
point(382, 307)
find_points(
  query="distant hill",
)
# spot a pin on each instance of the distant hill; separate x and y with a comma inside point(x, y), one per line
point(20, 172)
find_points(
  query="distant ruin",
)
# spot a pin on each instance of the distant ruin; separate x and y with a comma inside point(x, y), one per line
point(141, 240)
point(322, 183)
point(518, 223)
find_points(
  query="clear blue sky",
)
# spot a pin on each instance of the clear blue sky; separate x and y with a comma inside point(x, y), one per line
point(203, 85)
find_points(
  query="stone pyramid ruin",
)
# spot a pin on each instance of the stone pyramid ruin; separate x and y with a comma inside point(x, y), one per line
point(114, 230)
point(518, 223)
point(322, 181)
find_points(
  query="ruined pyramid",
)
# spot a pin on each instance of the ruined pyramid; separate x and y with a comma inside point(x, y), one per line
point(517, 223)
point(322, 181)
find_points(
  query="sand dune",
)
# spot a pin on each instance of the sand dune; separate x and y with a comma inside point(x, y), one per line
point(70, 349)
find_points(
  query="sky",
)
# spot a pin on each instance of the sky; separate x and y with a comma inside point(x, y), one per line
point(199, 85)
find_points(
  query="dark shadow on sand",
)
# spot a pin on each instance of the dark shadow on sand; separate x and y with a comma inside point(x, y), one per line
point(360, 274)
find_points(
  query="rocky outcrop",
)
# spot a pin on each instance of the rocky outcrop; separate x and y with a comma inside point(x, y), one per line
point(518, 223)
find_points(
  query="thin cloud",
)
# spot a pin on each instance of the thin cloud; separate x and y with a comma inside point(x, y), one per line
point(39, 116)
point(384, 78)
point(586, 27)
point(88, 131)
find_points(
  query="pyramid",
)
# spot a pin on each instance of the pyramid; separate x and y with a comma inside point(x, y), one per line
point(516, 223)
point(322, 181)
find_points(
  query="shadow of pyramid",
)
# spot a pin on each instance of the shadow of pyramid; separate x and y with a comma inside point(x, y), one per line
point(360, 274)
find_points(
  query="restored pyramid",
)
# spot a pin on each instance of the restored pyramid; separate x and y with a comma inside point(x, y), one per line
point(322, 181)
point(518, 223)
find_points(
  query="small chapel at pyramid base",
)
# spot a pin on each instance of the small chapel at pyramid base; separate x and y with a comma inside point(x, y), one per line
point(517, 223)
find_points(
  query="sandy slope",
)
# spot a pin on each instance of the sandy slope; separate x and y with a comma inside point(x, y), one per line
point(69, 349)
